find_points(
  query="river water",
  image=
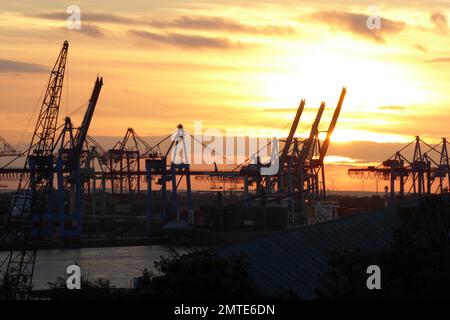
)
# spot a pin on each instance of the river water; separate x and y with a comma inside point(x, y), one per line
point(117, 264)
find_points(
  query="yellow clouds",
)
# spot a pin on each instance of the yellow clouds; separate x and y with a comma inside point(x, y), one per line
point(170, 62)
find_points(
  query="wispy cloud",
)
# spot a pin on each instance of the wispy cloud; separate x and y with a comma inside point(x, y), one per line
point(439, 60)
point(90, 30)
point(88, 27)
point(89, 17)
point(21, 67)
point(182, 22)
point(439, 21)
point(391, 108)
point(187, 41)
point(274, 110)
point(356, 23)
point(420, 48)
point(221, 24)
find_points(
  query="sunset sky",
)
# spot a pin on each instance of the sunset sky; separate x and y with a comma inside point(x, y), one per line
point(237, 64)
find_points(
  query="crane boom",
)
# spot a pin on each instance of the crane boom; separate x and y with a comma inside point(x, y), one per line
point(337, 111)
point(306, 150)
point(82, 133)
point(294, 126)
point(30, 201)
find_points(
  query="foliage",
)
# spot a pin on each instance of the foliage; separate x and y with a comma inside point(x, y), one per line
point(96, 289)
point(6, 292)
point(415, 266)
point(200, 274)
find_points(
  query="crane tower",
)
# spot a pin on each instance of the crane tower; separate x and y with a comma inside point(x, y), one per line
point(30, 201)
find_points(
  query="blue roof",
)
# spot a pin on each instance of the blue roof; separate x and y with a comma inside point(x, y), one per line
point(296, 259)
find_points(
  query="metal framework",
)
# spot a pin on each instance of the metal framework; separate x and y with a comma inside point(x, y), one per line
point(73, 170)
point(74, 157)
point(301, 177)
point(6, 150)
point(30, 202)
point(125, 163)
point(158, 169)
point(132, 162)
point(317, 167)
point(414, 171)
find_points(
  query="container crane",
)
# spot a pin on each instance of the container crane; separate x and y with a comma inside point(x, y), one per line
point(296, 170)
point(414, 171)
point(288, 143)
point(68, 171)
point(317, 167)
point(6, 150)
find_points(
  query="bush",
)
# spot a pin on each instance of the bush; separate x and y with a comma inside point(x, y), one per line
point(415, 266)
point(199, 275)
point(97, 289)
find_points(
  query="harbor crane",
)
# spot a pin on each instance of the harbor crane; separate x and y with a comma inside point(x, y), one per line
point(30, 201)
point(6, 150)
point(417, 169)
point(49, 154)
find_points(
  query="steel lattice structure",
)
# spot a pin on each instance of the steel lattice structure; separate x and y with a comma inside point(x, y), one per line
point(301, 178)
point(6, 150)
point(30, 202)
point(124, 162)
point(417, 169)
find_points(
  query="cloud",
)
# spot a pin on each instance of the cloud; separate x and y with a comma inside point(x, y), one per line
point(366, 151)
point(440, 22)
point(310, 107)
point(89, 17)
point(280, 110)
point(356, 23)
point(90, 30)
point(183, 22)
point(420, 48)
point(187, 41)
point(439, 60)
point(22, 67)
point(221, 24)
point(391, 108)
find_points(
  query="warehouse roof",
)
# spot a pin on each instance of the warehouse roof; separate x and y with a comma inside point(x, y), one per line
point(295, 260)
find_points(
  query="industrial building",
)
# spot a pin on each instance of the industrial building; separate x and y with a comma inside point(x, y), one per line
point(292, 263)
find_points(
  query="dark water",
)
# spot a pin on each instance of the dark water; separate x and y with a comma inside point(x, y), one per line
point(117, 264)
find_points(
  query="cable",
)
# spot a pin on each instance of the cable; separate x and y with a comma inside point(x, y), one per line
point(248, 158)
point(25, 152)
point(31, 117)
point(67, 87)
point(206, 146)
point(381, 164)
point(84, 105)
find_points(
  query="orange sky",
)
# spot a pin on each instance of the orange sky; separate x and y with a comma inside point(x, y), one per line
point(234, 64)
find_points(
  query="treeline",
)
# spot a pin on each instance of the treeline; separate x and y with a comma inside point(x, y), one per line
point(415, 266)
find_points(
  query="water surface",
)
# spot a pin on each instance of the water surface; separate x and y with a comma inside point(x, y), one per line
point(117, 264)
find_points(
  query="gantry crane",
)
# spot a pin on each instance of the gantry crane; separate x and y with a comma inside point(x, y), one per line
point(125, 162)
point(306, 157)
point(301, 175)
point(30, 201)
point(70, 175)
point(413, 170)
point(303, 161)
point(293, 172)
point(317, 168)
point(284, 162)
point(6, 150)
point(179, 168)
